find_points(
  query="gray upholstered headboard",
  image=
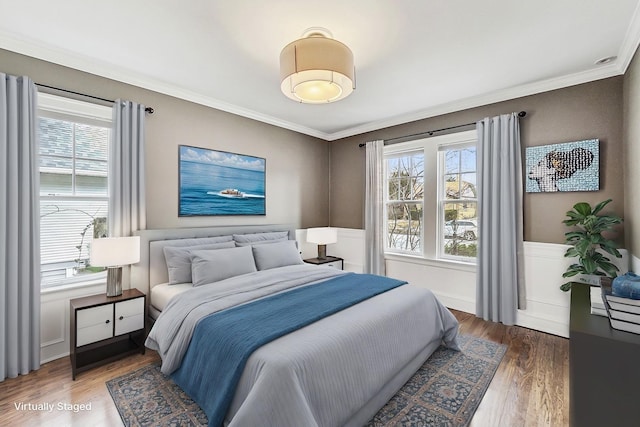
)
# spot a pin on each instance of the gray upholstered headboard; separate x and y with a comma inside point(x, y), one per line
point(152, 268)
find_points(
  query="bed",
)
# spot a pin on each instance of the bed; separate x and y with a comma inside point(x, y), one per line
point(332, 371)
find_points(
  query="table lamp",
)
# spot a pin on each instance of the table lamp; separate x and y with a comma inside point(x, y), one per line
point(113, 253)
point(322, 236)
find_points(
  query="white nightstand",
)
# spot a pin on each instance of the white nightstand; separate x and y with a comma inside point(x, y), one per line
point(329, 261)
point(104, 329)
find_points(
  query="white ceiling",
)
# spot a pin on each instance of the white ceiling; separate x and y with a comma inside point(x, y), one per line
point(414, 58)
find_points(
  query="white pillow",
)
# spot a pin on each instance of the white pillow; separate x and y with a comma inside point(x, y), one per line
point(178, 260)
point(259, 238)
point(208, 266)
point(275, 255)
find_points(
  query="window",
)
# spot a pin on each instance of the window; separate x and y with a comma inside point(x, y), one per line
point(458, 201)
point(404, 202)
point(74, 201)
point(431, 197)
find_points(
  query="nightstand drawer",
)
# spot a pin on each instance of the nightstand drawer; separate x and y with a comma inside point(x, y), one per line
point(94, 316)
point(333, 264)
point(129, 316)
point(129, 324)
point(131, 307)
point(94, 324)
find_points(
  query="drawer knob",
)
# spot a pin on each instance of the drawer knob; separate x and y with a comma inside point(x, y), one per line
point(107, 321)
point(121, 317)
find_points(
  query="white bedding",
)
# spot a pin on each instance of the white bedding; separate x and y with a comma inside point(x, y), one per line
point(337, 371)
point(162, 293)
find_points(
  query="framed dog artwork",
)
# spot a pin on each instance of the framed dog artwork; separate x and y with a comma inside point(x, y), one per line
point(570, 166)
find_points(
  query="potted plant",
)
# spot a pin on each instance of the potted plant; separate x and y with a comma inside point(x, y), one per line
point(588, 244)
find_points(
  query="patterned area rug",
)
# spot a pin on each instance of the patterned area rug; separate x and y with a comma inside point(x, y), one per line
point(446, 391)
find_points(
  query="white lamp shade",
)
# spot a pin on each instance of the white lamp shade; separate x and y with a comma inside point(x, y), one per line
point(115, 251)
point(322, 235)
point(316, 69)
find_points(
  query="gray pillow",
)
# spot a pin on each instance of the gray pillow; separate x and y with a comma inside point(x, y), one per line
point(261, 242)
point(257, 238)
point(278, 254)
point(179, 260)
point(208, 266)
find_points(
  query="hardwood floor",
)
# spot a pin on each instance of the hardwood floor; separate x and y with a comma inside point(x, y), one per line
point(530, 388)
point(531, 385)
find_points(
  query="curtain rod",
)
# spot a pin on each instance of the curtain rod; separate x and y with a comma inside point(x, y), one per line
point(149, 110)
point(430, 132)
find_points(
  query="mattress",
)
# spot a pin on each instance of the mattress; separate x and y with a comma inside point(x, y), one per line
point(162, 294)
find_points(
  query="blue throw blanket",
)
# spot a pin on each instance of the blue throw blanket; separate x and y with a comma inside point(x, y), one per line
point(222, 342)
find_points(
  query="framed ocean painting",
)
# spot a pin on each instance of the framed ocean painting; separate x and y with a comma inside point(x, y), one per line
point(213, 182)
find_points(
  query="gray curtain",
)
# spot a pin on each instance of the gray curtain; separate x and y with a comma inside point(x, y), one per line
point(500, 284)
point(19, 228)
point(374, 209)
point(127, 212)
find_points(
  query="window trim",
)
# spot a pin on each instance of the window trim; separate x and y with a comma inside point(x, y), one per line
point(387, 249)
point(67, 109)
point(432, 221)
point(442, 147)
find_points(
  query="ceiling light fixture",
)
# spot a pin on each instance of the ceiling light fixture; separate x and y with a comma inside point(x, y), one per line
point(317, 69)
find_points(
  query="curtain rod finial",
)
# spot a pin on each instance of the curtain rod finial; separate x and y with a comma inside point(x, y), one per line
point(522, 113)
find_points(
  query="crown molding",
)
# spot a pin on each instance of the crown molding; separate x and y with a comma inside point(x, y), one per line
point(631, 41)
point(69, 59)
point(601, 72)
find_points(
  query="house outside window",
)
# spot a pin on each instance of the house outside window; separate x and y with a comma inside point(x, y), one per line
point(431, 198)
point(74, 201)
point(458, 202)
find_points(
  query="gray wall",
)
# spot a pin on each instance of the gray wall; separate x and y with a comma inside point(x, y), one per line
point(592, 110)
point(632, 156)
point(297, 165)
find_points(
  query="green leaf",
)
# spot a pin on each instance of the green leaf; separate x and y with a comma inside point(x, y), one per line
point(571, 252)
point(572, 270)
point(582, 247)
point(574, 215)
point(599, 206)
point(570, 273)
point(589, 265)
point(572, 235)
point(613, 251)
point(609, 268)
point(566, 287)
point(582, 208)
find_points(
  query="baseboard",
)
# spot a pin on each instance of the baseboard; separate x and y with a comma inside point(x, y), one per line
point(52, 358)
point(456, 303)
point(559, 327)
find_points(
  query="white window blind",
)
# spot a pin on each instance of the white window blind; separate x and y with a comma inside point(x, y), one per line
point(74, 141)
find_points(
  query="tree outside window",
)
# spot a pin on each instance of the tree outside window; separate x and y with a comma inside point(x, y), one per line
point(405, 194)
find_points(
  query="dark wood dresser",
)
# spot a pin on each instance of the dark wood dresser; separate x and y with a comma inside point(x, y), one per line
point(604, 366)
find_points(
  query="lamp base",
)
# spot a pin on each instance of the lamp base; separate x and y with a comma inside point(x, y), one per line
point(322, 251)
point(114, 281)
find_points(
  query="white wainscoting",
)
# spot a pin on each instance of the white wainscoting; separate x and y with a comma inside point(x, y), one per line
point(54, 319)
point(454, 284)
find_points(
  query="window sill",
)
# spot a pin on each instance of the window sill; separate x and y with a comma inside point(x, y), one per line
point(73, 286)
point(438, 263)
